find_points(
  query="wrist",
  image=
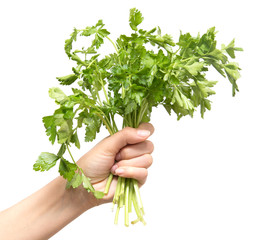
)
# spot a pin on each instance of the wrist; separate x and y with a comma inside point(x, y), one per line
point(78, 198)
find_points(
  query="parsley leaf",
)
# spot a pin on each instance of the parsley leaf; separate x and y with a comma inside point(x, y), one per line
point(45, 161)
point(67, 169)
point(67, 80)
point(135, 18)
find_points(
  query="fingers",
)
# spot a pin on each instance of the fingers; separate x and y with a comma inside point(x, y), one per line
point(140, 174)
point(134, 168)
point(144, 161)
point(128, 136)
point(135, 150)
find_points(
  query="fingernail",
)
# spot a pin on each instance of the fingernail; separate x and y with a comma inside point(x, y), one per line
point(114, 168)
point(119, 171)
point(143, 133)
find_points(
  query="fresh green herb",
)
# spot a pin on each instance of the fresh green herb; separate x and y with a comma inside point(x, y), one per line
point(145, 70)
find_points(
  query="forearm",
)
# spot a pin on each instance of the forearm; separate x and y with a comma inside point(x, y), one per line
point(45, 212)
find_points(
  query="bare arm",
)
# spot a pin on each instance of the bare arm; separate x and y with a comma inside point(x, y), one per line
point(44, 213)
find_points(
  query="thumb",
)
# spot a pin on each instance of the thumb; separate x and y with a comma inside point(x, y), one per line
point(126, 136)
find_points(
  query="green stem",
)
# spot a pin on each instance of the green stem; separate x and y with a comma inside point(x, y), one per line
point(117, 191)
point(114, 47)
point(105, 120)
point(131, 192)
point(138, 212)
point(114, 124)
point(138, 198)
point(112, 43)
point(117, 214)
point(122, 187)
point(127, 190)
point(127, 203)
point(99, 99)
point(109, 180)
point(105, 93)
point(71, 155)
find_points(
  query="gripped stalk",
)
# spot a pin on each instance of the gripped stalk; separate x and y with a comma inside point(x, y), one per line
point(127, 190)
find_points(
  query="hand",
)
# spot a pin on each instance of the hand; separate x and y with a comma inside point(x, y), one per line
point(127, 153)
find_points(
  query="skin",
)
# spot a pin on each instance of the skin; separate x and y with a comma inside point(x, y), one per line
point(44, 213)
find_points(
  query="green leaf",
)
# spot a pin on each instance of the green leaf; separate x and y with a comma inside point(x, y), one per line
point(205, 104)
point(130, 107)
point(57, 94)
point(64, 133)
point(135, 18)
point(137, 93)
point(45, 161)
point(182, 100)
point(87, 184)
point(232, 72)
point(76, 181)
point(75, 139)
point(204, 87)
point(67, 80)
point(58, 117)
point(77, 59)
point(67, 169)
point(217, 54)
point(207, 42)
point(194, 68)
point(98, 194)
point(230, 49)
point(62, 150)
point(93, 124)
point(99, 33)
point(50, 126)
point(68, 42)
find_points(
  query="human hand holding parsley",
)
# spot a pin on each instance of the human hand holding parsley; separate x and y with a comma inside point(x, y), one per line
point(146, 69)
point(47, 211)
point(127, 153)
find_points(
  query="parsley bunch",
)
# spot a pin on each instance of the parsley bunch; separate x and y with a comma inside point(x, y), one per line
point(145, 70)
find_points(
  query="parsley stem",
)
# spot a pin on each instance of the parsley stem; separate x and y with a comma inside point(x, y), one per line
point(117, 191)
point(114, 124)
point(136, 188)
point(116, 49)
point(80, 169)
point(107, 186)
point(112, 43)
point(99, 99)
point(71, 154)
point(105, 120)
point(117, 214)
point(127, 202)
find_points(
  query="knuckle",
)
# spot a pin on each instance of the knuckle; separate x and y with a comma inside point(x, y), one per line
point(126, 129)
point(124, 132)
point(125, 153)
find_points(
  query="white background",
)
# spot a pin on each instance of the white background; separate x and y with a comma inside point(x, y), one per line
point(208, 180)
